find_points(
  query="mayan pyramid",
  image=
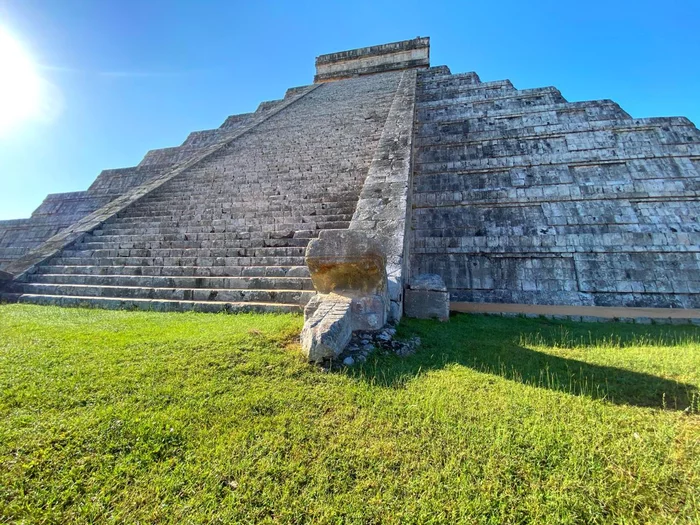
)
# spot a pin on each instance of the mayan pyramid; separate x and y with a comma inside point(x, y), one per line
point(510, 196)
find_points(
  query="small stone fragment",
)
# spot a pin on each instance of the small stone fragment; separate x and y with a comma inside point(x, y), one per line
point(427, 298)
point(384, 336)
point(328, 331)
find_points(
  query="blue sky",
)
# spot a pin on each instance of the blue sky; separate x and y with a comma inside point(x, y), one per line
point(126, 76)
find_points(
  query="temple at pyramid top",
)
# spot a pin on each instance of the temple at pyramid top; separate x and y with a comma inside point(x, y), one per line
point(407, 54)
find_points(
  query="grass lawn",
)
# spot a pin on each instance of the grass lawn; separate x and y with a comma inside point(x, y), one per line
point(126, 417)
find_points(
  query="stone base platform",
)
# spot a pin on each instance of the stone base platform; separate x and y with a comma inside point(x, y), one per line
point(585, 313)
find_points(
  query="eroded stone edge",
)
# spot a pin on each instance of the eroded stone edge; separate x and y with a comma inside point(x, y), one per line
point(382, 215)
point(383, 210)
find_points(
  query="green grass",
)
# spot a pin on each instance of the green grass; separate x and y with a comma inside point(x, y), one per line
point(124, 417)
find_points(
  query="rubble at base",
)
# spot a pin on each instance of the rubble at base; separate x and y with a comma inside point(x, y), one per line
point(365, 344)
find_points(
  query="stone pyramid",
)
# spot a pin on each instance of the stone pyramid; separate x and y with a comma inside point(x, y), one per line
point(510, 196)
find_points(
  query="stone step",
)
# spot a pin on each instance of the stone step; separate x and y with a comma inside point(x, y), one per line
point(481, 91)
point(461, 82)
point(169, 281)
point(258, 215)
point(526, 97)
point(241, 199)
point(238, 197)
point(79, 251)
point(445, 161)
point(193, 207)
point(300, 207)
point(170, 294)
point(180, 271)
point(235, 121)
point(172, 226)
point(595, 109)
point(645, 129)
point(160, 305)
point(8, 297)
point(253, 210)
point(248, 217)
point(487, 107)
point(275, 210)
point(237, 244)
point(545, 124)
point(460, 79)
point(245, 182)
point(223, 238)
point(15, 252)
point(243, 179)
point(215, 209)
point(117, 230)
point(61, 260)
point(258, 185)
point(552, 244)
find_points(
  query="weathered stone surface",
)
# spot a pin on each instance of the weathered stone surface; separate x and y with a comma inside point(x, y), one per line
point(225, 223)
point(369, 312)
point(428, 281)
point(522, 197)
point(328, 329)
point(351, 264)
point(384, 207)
point(427, 298)
point(348, 262)
point(511, 196)
point(407, 54)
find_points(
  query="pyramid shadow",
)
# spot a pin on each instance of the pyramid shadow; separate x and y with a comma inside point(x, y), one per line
point(494, 346)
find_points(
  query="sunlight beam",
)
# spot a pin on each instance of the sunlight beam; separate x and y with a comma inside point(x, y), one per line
point(22, 90)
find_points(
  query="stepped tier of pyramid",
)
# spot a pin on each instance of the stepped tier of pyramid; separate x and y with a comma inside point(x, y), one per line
point(508, 195)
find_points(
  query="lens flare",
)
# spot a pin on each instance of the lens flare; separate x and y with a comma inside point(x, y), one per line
point(20, 85)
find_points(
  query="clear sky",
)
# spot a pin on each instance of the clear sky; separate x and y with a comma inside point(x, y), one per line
point(119, 77)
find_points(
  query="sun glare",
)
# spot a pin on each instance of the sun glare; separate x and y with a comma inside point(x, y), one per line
point(20, 85)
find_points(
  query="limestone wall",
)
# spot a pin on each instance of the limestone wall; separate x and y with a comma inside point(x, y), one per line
point(58, 211)
point(523, 197)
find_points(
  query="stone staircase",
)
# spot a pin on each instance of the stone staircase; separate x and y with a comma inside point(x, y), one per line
point(229, 233)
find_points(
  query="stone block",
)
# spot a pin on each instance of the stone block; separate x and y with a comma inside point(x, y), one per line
point(427, 298)
point(328, 329)
point(348, 262)
point(369, 312)
point(407, 54)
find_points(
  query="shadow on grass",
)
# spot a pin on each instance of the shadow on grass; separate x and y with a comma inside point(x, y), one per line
point(499, 346)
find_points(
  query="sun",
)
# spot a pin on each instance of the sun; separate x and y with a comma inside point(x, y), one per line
point(20, 85)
